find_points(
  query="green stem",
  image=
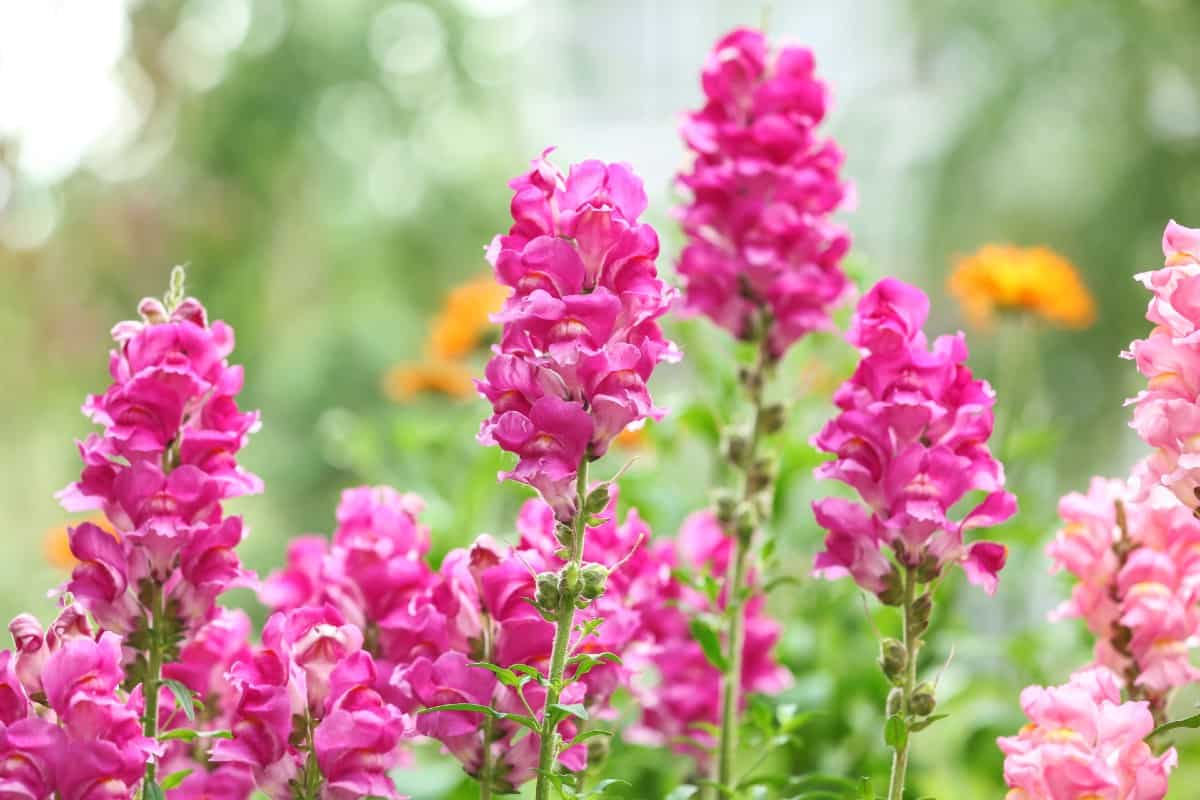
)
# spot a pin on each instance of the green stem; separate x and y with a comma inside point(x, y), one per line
point(735, 579)
point(568, 593)
point(912, 646)
point(485, 766)
point(153, 679)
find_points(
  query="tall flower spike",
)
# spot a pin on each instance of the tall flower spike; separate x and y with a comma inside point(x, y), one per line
point(763, 185)
point(1167, 411)
point(580, 339)
point(911, 440)
point(1136, 555)
point(159, 470)
point(762, 260)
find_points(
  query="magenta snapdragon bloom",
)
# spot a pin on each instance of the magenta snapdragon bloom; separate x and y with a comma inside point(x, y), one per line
point(1139, 587)
point(1082, 741)
point(160, 468)
point(374, 571)
point(1167, 412)
point(69, 731)
point(311, 688)
point(911, 440)
point(763, 187)
point(580, 334)
point(681, 705)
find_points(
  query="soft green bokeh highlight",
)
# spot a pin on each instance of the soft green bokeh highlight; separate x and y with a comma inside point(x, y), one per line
point(328, 171)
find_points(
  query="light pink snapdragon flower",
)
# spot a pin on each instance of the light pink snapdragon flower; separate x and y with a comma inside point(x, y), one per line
point(1167, 411)
point(1136, 554)
point(1082, 741)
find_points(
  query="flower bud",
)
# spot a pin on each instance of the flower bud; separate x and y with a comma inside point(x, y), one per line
point(895, 701)
point(922, 607)
point(772, 418)
point(922, 702)
point(735, 446)
point(760, 475)
point(893, 659)
point(750, 379)
point(725, 505)
point(892, 593)
point(747, 521)
point(929, 569)
point(547, 596)
point(564, 533)
point(595, 576)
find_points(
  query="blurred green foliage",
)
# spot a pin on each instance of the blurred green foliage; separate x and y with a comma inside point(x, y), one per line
point(328, 172)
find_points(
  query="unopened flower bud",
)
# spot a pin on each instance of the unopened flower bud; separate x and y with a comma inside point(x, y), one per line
point(893, 659)
point(747, 521)
point(595, 576)
point(735, 446)
point(895, 700)
point(547, 596)
point(760, 475)
point(750, 379)
point(929, 569)
point(772, 417)
point(892, 593)
point(564, 532)
point(725, 505)
point(923, 702)
point(922, 608)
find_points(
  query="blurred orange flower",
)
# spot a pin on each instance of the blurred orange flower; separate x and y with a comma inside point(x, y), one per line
point(462, 323)
point(56, 544)
point(1032, 279)
point(633, 438)
point(403, 382)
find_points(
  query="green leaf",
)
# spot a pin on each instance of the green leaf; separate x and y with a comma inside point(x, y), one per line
point(176, 778)
point(1186, 722)
point(603, 786)
point(589, 627)
point(709, 642)
point(592, 734)
point(571, 709)
point(895, 732)
point(504, 675)
point(476, 707)
point(922, 724)
point(183, 697)
point(152, 791)
point(865, 790)
point(191, 735)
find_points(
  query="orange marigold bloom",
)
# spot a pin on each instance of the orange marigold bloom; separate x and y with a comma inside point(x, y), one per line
point(1032, 279)
point(633, 438)
point(403, 382)
point(460, 326)
point(56, 545)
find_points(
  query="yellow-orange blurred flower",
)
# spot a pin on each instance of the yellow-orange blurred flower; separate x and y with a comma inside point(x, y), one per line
point(403, 382)
point(56, 544)
point(633, 438)
point(1036, 280)
point(459, 327)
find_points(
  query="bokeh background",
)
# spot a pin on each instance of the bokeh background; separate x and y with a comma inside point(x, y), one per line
point(330, 171)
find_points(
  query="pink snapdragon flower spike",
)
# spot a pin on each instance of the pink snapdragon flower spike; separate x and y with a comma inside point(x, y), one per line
point(763, 186)
point(580, 334)
point(1135, 552)
point(1082, 741)
point(910, 439)
point(1167, 411)
point(160, 468)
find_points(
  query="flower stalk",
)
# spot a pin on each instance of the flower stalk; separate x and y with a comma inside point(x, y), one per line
point(743, 525)
point(569, 586)
point(152, 680)
point(913, 625)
